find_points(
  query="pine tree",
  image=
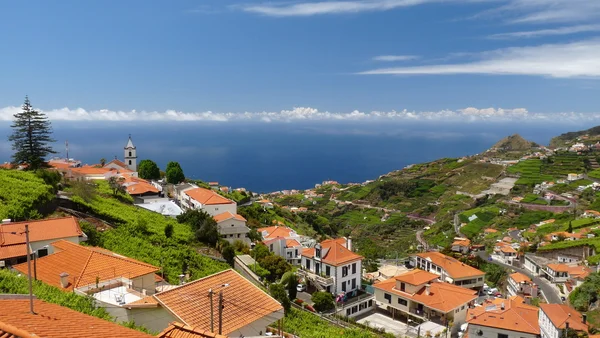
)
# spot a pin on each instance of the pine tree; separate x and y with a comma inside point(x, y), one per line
point(31, 137)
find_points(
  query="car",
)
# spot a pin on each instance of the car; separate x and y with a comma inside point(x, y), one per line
point(490, 292)
point(300, 287)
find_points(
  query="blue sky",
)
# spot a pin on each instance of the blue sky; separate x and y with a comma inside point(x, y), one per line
point(116, 59)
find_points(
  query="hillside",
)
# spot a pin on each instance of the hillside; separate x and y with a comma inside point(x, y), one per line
point(570, 137)
point(513, 143)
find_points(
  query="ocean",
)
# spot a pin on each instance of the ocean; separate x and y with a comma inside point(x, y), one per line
point(266, 157)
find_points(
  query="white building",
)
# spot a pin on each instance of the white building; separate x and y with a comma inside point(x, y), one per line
point(207, 200)
point(130, 155)
point(503, 318)
point(332, 267)
point(232, 227)
point(554, 319)
point(450, 269)
point(283, 241)
point(521, 285)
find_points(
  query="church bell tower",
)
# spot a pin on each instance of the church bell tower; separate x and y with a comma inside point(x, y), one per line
point(131, 155)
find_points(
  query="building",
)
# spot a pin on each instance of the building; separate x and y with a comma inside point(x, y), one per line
point(13, 249)
point(130, 155)
point(247, 310)
point(555, 319)
point(54, 321)
point(283, 241)
point(332, 266)
point(232, 227)
point(162, 206)
point(179, 330)
point(450, 269)
point(556, 273)
point(504, 252)
point(503, 318)
point(521, 285)
point(462, 245)
point(207, 200)
point(419, 296)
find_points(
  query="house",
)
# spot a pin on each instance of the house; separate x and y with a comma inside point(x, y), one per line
point(555, 319)
point(63, 163)
point(162, 206)
point(137, 187)
point(89, 173)
point(247, 310)
point(490, 231)
point(419, 296)
point(283, 241)
point(41, 233)
point(385, 272)
point(449, 269)
point(577, 275)
point(508, 318)
point(574, 177)
point(521, 285)
point(461, 245)
point(556, 273)
point(213, 185)
point(591, 213)
point(179, 330)
point(332, 266)
point(504, 252)
point(54, 321)
point(207, 200)
point(536, 264)
point(266, 204)
point(232, 227)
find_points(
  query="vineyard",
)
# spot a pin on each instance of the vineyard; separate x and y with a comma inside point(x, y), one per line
point(485, 216)
point(304, 324)
point(530, 171)
point(564, 164)
point(22, 194)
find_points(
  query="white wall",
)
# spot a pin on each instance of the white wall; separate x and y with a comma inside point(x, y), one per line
point(256, 328)
point(493, 332)
point(154, 319)
point(547, 329)
point(215, 209)
point(40, 244)
point(145, 282)
point(348, 279)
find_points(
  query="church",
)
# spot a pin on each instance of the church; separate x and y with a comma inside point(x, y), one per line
point(130, 158)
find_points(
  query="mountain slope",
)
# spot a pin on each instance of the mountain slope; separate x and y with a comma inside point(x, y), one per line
point(513, 143)
point(565, 138)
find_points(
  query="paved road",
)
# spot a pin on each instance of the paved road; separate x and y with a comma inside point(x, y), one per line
point(550, 293)
point(516, 235)
point(422, 241)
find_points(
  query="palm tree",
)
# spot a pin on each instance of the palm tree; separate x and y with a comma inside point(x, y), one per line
point(102, 161)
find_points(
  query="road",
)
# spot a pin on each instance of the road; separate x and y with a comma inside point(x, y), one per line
point(422, 241)
point(516, 235)
point(457, 225)
point(550, 293)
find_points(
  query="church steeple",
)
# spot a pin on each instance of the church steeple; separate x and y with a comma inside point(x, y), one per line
point(131, 155)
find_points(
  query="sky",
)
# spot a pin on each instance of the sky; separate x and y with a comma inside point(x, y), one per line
point(268, 61)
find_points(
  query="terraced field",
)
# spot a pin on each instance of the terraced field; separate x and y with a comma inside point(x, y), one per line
point(530, 171)
point(564, 164)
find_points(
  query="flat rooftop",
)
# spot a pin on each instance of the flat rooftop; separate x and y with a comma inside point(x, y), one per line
point(119, 295)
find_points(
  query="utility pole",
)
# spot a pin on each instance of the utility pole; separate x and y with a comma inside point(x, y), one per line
point(210, 296)
point(29, 269)
point(220, 311)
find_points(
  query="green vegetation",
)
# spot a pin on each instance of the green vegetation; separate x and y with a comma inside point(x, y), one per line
point(485, 216)
point(563, 164)
point(323, 301)
point(277, 291)
point(31, 137)
point(23, 195)
point(530, 171)
point(174, 173)
point(11, 283)
point(304, 324)
point(586, 294)
point(147, 169)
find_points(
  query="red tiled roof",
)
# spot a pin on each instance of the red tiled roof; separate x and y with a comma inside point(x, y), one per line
point(12, 251)
point(292, 243)
point(559, 314)
point(54, 321)
point(40, 230)
point(227, 215)
point(84, 265)
point(276, 231)
point(515, 316)
point(462, 242)
point(245, 303)
point(416, 277)
point(454, 267)
point(334, 253)
point(520, 278)
point(119, 163)
point(178, 330)
point(207, 197)
point(558, 267)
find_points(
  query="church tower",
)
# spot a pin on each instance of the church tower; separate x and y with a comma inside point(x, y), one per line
point(131, 155)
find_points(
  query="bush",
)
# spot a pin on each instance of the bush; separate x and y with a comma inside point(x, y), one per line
point(229, 255)
point(277, 291)
point(323, 301)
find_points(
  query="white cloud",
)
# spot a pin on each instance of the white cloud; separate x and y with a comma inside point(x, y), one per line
point(551, 11)
point(547, 32)
point(391, 58)
point(307, 114)
point(577, 59)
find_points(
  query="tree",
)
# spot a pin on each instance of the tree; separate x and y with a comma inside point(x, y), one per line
point(204, 226)
point(50, 177)
point(83, 190)
point(277, 291)
point(276, 265)
point(323, 301)
point(260, 251)
point(229, 255)
point(116, 184)
point(148, 170)
point(254, 235)
point(31, 137)
point(290, 280)
point(242, 247)
point(102, 161)
point(570, 228)
point(174, 173)
point(169, 229)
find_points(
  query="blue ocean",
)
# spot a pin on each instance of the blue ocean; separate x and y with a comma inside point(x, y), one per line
point(266, 157)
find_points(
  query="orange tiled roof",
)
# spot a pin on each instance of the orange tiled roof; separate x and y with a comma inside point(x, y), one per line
point(292, 243)
point(87, 170)
point(55, 321)
point(227, 215)
point(444, 297)
point(558, 267)
point(507, 249)
point(516, 315)
point(207, 197)
point(119, 163)
point(12, 251)
point(178, 330)
point(454, 267)
point(276, 231)
point(490, 230)
point(84, 265)
point(334, 252)
point(40, 230)
point(416, 277)
point(245, 303)
point(520, 278)
point(559, 314)
point(462, 242)
point(578, 271)
point(507, 239)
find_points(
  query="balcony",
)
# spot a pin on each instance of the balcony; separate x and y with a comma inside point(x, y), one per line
point(325, 281)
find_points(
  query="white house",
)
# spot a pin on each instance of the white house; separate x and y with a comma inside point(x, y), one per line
point(503, 318)
point(419, 295)
point(557, 273)
point(283, 241)
point(450, 269)
point(462, 245)
point(332, 267)
point(232, 227)
point(521, 285)
point(554, 319)
point(207, 200)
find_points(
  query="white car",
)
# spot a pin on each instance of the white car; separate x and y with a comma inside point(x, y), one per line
point(300, 287)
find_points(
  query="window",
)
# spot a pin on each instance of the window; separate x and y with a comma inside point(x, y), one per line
point(353, 267)
point(353, 284)
point(344, 271)
point(130, 154)
point(327, 270)
point(402, 302)
point(348, 312)
point(308, 265)
point(370, 303)
point(42, 252)
point(238, 235)
point(129, 162)
point(318, 253)
point(402, 287)
point(343, 286)
point(216, 209)
point(463, 307)
point(479, 279)
point(388, 297)
point(271, 247)
point(502, 335)
point(233, 225)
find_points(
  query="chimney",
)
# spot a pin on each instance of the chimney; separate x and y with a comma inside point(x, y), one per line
point(181, 277)
point(583, 318)
point(427, 289)
point(349, 243)
point(144, 292)
point(502, 306)
point(64, 279)
point(6, 221)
